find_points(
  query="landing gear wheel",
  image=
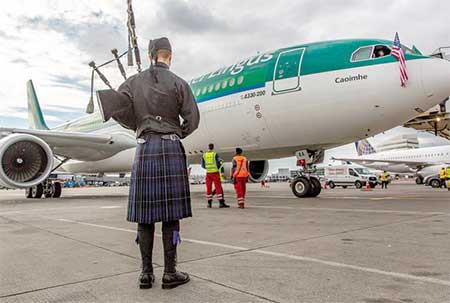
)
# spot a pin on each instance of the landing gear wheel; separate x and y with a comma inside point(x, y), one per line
point(301, 187)
point(49, 191)
point(57, 189)
point(37, 191)
point(331, 184)
point(316, 188)
point(419, 180)
point(29, 193)
point(358, 185)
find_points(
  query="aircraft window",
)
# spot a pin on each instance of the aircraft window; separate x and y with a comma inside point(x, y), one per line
point(232, 81)
point(381, 51)
point(407, 50)
point(363, 53)
point(217, 86)
point(210, 88)
point(197, 92)
point(204, 90)
point(240, 80)
point(224, 84)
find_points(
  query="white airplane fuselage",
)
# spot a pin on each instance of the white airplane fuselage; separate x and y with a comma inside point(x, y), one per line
point(433, 159)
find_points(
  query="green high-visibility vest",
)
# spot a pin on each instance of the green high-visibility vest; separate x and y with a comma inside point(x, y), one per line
point(210, 162)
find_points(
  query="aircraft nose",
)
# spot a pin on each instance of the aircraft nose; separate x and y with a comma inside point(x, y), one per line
point(436, 80)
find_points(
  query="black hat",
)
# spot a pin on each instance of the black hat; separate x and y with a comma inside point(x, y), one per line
point(238, 150)
point(157, 44)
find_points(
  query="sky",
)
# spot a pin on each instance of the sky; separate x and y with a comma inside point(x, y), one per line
point(53, 41)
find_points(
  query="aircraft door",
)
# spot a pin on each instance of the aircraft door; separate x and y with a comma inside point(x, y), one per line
point(286, 74)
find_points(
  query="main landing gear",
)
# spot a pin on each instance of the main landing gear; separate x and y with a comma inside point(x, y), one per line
point(47, 189)
point(306, 185)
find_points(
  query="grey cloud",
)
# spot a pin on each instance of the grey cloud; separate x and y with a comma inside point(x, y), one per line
point(20, 61)
point(96, 36)
point(70, 82)
point(188, 17)
point(7, 36)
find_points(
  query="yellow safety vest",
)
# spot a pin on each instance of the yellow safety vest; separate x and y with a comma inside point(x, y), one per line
point(442, 173)
point(222, 175)
point(448, 172)
point(384, 177)
point(210, 162)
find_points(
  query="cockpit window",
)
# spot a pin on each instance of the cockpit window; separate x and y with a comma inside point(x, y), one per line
point(407, 50)
point(370, 52)
point(362, 53)
point(381, 51)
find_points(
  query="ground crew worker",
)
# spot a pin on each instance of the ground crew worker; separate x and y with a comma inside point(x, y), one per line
point(448, 177)
point(443, 176)
point(211, 162)
point(222, 171)
point(151, 103)
point(384, 179)
point(240, 176)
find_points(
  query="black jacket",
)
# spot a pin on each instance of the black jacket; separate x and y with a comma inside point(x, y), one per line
point(153, 101)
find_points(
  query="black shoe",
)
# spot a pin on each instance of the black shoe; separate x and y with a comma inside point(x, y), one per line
point(172, 280)
point(209, 204)
point(223, 205)
point(146, 281)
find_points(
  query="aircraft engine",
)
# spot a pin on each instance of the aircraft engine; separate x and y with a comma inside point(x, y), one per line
point(25, 161)
point(258, 170)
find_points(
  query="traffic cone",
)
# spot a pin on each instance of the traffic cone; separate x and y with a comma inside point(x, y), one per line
point(367, 188)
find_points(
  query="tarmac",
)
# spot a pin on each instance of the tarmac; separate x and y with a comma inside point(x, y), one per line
point(347, 245)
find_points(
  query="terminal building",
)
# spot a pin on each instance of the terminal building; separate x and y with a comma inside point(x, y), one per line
point(405, 141)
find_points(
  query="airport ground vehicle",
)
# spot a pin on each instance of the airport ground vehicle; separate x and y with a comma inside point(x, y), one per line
point(433, 181)
point(347, 175)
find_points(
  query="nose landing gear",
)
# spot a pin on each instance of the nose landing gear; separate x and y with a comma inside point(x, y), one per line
point(305, 185)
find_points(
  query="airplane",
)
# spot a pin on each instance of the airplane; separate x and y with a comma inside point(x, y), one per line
point(423, 162)
point(298, 100)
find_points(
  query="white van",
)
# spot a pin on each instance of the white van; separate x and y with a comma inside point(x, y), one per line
point(346, 175)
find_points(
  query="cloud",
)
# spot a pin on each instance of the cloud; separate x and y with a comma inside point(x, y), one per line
point(6, 36)
point(70, 82)
point(189, 17)
point(96, 34)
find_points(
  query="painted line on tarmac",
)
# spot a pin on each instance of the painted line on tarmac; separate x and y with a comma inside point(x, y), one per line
point(287, 256)
point(12, 212)
point(379, 211)
point(356, 210)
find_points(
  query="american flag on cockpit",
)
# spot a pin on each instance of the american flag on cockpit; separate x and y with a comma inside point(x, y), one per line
point(397, 52)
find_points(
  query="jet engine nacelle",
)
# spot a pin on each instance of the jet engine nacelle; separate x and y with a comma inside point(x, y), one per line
point(25, 161)
point(430, 170)
point(258, 170)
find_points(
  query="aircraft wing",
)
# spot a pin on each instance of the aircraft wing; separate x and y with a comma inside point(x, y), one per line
point(412, 164)
point(77, 145)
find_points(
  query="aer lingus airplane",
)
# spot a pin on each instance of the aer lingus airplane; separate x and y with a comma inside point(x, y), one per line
point(295, 100)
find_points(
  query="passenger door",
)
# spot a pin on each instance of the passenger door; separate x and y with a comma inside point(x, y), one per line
point(286, 75)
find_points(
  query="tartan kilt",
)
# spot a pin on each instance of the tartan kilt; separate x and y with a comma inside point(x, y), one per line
point(159, 185)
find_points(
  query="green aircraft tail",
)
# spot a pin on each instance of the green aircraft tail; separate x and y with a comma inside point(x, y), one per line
point(35, 116)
